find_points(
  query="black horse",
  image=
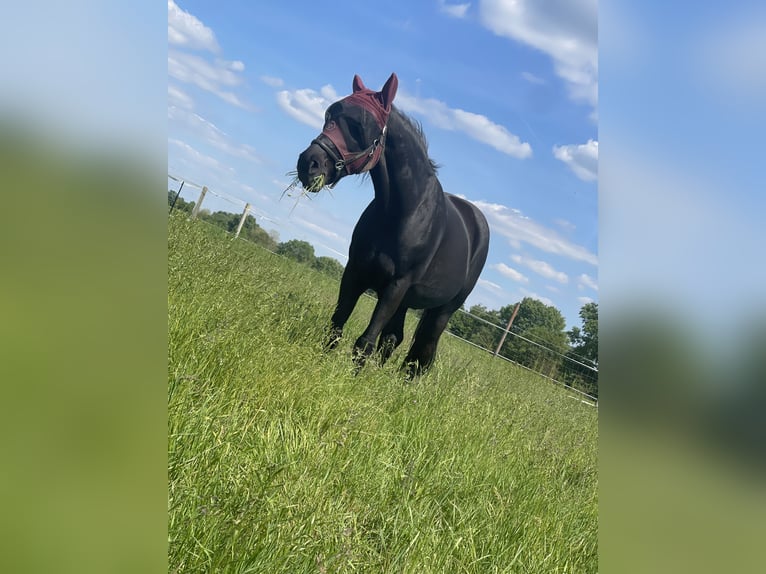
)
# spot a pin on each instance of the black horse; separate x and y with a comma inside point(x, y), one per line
point(415, 246)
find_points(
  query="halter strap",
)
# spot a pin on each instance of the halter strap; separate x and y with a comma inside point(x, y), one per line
point(344, 160)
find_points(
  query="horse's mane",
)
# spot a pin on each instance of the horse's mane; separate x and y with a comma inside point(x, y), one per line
point(416, 129)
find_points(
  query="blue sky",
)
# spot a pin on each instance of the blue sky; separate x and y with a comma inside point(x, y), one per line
point(681, 184)
point(507, 93)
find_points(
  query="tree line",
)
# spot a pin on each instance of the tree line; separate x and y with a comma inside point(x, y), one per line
point(539, 340)
point(301, 251)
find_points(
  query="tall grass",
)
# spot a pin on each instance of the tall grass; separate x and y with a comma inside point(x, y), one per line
point(282, 460)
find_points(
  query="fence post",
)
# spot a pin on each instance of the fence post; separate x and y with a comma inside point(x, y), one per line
point(172, 205)
point(507, 328)
point(242, 220)
point(195, 211)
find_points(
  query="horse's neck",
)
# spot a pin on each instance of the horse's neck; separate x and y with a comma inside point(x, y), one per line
point(402, 179)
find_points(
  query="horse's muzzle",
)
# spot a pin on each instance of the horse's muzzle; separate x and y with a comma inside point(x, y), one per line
point(315, 164)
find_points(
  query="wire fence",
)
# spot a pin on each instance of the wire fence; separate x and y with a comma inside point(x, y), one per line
point(554, 362)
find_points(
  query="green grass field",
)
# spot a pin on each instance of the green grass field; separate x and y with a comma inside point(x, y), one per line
point(281, 460)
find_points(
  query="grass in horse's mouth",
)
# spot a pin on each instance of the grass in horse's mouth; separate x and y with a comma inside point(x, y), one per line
point(316, 185)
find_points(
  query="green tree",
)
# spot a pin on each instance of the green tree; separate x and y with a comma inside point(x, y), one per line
point(223, 219)
point(472, 326)
point(255, 233)
point(301, 251)
point(542, 340)
point(262, 237)
point(330, 266)
point(581, 364)
point(229, 221)
point(534, 313)
point(181, 203)
point(585, 341)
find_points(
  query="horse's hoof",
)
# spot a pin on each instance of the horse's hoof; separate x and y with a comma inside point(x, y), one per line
point(412, 370)
point(362, 349)
point(333, 340)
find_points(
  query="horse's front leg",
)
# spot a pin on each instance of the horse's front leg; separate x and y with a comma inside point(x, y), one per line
point(351, 288)
point(389, 302)
point(392, 334)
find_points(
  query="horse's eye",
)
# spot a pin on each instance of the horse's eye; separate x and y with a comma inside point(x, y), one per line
point(356, 130)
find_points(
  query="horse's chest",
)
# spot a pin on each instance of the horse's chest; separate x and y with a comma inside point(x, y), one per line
point(383, 250)
point(377, 265)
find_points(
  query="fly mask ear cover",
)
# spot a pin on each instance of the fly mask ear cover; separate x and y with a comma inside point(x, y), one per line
point(378, 104)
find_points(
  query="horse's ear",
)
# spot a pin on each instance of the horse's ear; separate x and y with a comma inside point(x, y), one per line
point(388, 93)
point(357, 84)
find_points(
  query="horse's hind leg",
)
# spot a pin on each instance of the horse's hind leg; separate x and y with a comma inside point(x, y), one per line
point(423, 349)
point(392, 334)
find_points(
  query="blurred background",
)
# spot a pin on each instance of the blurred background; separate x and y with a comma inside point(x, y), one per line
point(83, 306)
point(683, 317)
point(682, 279)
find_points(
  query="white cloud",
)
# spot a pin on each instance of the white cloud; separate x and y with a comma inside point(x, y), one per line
point(540, 298)
point(531, 78)
point(187, 31)
point(481, 129)
point(565, 224)
point(179, 98)
point(454, 10)
point(585, 280)
point(517, 228)
point(541, 268)
point(212, 134)
point(585, 300)
point(582, 159)
point(214, 78)
point(319, 229)
point(566, 31)
point(510, 272)
point(307, 105)
point(251, 191)
point(476, 126)
point(272, 81)
point(329, 93)
point(199, 159)
point(489, 285)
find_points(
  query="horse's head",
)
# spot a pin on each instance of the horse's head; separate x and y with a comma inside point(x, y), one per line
point(352, 139)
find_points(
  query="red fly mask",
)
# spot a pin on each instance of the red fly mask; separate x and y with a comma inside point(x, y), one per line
point(378, 104)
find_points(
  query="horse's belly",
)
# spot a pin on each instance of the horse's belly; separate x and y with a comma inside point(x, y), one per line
point(426, 295)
